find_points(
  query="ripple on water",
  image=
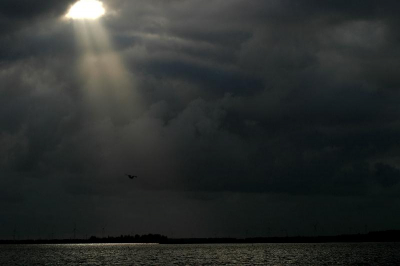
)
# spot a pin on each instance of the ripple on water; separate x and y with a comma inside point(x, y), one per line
point(224, 254)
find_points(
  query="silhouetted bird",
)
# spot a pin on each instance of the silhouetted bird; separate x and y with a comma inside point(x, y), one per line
point(131, 176)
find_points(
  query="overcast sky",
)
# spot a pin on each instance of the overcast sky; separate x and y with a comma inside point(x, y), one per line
point(240, 118)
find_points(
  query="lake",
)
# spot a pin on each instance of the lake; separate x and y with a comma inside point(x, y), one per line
point(221, 254)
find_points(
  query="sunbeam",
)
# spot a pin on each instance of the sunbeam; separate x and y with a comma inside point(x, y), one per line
point(108, 84)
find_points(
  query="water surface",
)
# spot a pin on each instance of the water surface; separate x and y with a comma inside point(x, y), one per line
point(223, 254)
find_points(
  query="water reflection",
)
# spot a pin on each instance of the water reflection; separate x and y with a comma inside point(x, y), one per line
point(154, 254)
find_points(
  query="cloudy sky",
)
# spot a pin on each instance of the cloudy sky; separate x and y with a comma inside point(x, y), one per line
point(240, 118)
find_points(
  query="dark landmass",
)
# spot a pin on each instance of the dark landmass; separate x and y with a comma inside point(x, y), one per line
point(381, 236)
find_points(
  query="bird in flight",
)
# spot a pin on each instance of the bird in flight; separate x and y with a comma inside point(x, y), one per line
point(131, 176)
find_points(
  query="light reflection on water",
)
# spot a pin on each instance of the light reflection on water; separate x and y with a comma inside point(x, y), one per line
point(257, 254)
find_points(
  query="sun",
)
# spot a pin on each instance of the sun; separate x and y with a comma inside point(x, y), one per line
point(86, 9)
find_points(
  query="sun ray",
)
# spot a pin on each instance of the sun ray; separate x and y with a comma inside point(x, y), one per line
point(109, 86)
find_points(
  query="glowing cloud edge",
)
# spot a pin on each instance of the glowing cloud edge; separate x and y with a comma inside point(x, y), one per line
point(86, 9)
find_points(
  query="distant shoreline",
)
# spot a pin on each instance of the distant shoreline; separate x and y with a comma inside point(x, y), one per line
point(381, 236)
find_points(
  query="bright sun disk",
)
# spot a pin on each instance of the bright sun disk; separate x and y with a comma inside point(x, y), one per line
point(86, 9)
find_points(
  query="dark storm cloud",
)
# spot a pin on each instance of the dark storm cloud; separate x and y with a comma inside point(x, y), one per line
point(16, 14)
point(328, 103)
point(282, 91)
point(242, 100)
point(349, 9)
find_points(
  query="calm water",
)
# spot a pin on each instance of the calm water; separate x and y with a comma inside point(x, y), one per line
point(257, 254)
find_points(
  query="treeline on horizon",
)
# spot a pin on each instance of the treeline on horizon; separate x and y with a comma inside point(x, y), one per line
point(379, 236)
